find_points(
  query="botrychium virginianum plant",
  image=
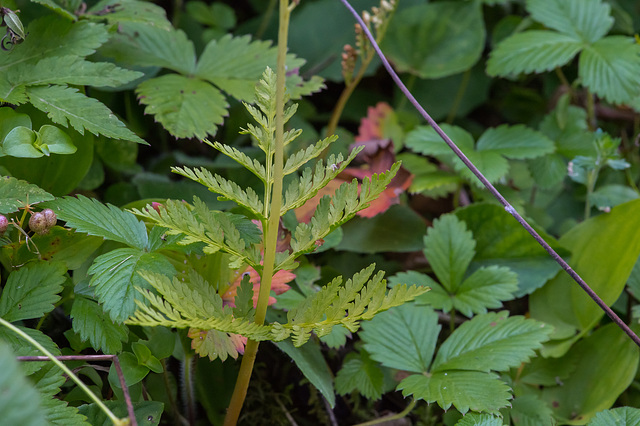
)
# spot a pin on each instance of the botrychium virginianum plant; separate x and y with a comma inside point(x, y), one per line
point(189, 301)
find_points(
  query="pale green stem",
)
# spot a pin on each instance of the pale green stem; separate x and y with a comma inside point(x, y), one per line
point(271, 228)
point(592, 177)
point(116, 421)
point(386, 419)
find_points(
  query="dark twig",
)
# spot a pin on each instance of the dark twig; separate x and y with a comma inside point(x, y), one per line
point(508, 207)
point(116, 364)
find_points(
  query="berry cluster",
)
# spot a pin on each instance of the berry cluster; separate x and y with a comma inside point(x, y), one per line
point(42, 222)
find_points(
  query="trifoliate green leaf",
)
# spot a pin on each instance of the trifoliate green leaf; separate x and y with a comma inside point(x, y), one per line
point(116, 274)
point(15, 194)
point(187, 107)
point(32, 291)
point(404, 337)
point(491, 341)
point(609, 69)
point(448, 38)
point(588, 20)
point(90, 322)
point(360, 373)
point(532, 51)
point(437, 297)
point(102, 220)
point(150, 45)
point(65, 105)
point(485, 288)
point(19, 401)
point(449, 248)
point(622, 416)
point(465, 390)
point(489, 155)
point(473, 419)
point(235, 64)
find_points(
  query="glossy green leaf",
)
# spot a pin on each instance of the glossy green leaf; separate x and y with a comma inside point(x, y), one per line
point(133, 372)
point(57, 174)
point(449, 248)
point(399, 229)
point(588, 20)
point(446, 38)
point(492, 341)
point(532, 51)
point(90, 322)
point(622, 416)
point(65, 105)
point(9, 119)
point(312, 364)
point(186, 106)
point(609, 69)
point(19, 401)
point(486, 288)
point(32, 291)
point(57, 141)
point(500, 240)
point(102, 220)
point(360, 373)
point(15, 194)
point(605, 249)
point(19, 143)
point(116, 274)
point(404, 337)
point(465, 390)
point(606, 364)
point(235, 64)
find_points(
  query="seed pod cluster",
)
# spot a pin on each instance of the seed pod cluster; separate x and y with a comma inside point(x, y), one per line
point(42, 222)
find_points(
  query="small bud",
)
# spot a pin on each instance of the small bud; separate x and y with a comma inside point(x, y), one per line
point(51, 218)
point(4, 224)
point(38, 223)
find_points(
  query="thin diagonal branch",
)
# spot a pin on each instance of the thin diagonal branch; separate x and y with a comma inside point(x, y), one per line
point(507, 206)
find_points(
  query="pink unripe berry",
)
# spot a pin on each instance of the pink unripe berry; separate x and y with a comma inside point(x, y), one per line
point(4, 224)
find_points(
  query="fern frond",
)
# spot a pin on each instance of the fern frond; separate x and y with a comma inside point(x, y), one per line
point(308, 185)
point(199, 224)
point(295, 161)
point(332, 212)
point(192, 303)
point(253, 165)
point(362, 297)
point(248, 198)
